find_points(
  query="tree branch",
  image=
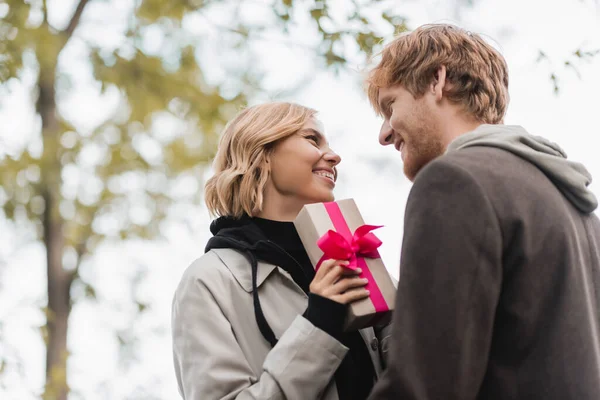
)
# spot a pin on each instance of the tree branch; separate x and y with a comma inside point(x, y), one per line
point(45, 10)
point(81, 252)
point(76, 18)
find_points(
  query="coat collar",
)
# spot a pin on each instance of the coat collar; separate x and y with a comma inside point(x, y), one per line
point(239, 266)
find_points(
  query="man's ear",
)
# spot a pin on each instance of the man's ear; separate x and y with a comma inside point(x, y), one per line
point(439, 82)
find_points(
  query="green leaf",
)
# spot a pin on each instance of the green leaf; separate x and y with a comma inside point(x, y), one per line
point(90, 292)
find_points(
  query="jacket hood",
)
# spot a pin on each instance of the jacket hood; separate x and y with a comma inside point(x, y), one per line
point(238, 231)
point(248, 240)
point(570, 178)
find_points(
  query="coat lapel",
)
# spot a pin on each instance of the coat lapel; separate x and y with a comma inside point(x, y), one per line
point(239, 266)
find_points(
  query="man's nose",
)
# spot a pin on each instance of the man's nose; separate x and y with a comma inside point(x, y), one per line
point(386, 134)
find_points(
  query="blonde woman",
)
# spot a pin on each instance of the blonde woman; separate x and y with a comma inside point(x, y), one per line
point(251, 319)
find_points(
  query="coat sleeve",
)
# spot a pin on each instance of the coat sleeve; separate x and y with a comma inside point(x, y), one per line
point(384, 335)
point(449, 287)
point(209, 363)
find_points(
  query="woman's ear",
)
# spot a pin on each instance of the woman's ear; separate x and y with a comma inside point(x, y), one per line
point(267, 164)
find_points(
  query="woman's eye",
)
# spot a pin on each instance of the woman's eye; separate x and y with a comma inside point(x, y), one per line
point(313, 138)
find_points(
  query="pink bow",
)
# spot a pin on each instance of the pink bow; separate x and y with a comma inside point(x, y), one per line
point(362, 244)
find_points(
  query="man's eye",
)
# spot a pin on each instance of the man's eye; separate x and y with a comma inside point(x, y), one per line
point(388, 108)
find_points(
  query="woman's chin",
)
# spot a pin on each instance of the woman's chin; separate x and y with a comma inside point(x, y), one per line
point(326, 197)
point(319, 196)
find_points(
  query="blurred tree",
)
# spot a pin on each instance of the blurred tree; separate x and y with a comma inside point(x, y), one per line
point(578, 57)
point(117, 180)
point(558, 65)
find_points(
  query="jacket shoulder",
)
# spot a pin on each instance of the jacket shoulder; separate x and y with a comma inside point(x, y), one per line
point(208, 269)
point(223, 267)
point(483, 162)
point(463, 169)
point(478, 159)
point(496, 171)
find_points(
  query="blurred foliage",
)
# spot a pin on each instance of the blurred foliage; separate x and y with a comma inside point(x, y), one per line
point(118, 179)
point(571, 63)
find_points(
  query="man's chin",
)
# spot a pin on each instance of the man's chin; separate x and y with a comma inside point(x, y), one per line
point(411, 169)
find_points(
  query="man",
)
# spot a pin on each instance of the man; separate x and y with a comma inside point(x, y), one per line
point(499, 290)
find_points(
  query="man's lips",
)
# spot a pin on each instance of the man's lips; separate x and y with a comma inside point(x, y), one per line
point(399, 144)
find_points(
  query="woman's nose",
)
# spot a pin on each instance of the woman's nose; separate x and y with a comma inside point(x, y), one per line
point(386, 134)
point(332, 157)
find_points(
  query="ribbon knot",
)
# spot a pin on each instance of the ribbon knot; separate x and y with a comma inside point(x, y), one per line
point(336, 246)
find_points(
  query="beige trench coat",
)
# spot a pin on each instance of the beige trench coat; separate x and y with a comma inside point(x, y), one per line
point(219, 352)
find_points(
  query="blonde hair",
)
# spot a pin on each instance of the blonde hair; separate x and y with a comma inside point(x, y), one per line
point(240, 165)
point(477, 73)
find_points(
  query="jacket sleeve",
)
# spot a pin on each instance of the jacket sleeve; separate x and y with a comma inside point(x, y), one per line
point(209, 363)
point(449, 287)
point(384, 335)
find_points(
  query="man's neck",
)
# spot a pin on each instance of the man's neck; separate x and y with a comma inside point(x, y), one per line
point(458, 125)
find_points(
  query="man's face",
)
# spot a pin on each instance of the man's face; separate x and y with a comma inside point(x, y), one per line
point(412, 125)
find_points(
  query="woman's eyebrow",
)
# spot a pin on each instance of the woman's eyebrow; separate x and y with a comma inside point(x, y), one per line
point(314, 131)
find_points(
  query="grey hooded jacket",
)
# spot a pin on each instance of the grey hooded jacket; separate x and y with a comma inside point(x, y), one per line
point(570, 177)
point(499, 290)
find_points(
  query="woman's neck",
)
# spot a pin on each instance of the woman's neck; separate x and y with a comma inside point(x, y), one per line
point(278, 215)
point(279, 208)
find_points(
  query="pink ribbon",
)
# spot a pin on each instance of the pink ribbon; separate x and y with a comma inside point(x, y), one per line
point(341, 244)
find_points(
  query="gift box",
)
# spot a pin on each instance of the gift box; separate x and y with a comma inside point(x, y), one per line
point(336, 230)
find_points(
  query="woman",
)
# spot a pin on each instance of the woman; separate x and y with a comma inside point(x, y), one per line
point(251, 319)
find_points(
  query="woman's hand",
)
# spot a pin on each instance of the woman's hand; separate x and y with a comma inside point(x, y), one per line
point(337, 283)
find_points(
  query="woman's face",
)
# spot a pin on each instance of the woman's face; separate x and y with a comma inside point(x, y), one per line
point(302, 168)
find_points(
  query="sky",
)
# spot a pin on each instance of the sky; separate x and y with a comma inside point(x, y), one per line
point(369, 173)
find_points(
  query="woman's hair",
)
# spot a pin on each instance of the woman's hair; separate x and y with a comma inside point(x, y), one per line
point(477, 73)
point(241, 170)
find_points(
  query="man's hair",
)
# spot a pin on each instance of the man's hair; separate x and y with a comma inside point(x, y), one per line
point(241, 171)
point(477, 73)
